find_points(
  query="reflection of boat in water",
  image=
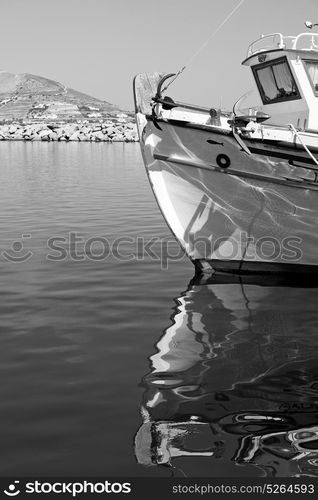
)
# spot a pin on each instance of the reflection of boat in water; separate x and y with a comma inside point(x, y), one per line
point(235, 378)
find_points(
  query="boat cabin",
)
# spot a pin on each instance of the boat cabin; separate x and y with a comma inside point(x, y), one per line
point(285, 69)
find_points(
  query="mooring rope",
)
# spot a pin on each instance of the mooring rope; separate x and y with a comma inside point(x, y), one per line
point(204, 44)
point(291, 126)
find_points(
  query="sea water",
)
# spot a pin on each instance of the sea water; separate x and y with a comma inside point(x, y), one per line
point(105, 333)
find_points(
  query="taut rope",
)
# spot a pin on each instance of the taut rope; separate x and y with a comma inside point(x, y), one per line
point(204, 44)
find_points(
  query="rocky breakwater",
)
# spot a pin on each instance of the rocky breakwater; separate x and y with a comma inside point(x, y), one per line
point(95, 132)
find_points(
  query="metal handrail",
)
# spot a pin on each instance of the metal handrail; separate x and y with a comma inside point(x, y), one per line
point(279, 44)
point(283, 42)
point(311, 37)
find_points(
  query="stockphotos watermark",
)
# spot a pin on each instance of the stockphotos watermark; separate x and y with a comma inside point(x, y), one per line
point(67, 487)
point(75, 247)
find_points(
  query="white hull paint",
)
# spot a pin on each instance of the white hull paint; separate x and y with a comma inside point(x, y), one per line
point(261, 209)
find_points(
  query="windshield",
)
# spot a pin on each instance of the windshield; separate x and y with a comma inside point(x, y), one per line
point(275, 81)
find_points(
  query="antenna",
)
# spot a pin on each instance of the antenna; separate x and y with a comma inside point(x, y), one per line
point(310, 25)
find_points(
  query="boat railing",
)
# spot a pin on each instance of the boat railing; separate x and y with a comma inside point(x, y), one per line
point(266, 42)
point(303, 41)
point(169, 104)
point(311, 41)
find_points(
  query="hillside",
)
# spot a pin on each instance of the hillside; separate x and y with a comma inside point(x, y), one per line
point(30, 99)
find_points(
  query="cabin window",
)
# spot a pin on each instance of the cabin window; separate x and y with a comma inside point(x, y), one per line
point(312, 71)
point(275, 81)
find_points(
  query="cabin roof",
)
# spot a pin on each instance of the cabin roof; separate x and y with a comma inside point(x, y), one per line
point(304, 42)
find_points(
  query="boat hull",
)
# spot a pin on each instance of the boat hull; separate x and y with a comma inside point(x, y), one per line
point(228, 209)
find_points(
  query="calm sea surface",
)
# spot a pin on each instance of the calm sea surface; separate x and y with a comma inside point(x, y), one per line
point(114, 360)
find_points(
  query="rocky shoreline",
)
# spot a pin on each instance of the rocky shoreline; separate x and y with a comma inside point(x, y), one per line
point(101, 131)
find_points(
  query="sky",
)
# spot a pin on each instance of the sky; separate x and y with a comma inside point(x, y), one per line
point(97, 46)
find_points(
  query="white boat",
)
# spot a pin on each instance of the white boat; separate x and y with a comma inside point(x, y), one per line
point(240, 191)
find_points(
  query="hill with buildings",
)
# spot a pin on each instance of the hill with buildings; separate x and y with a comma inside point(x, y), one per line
point(32, 98)
point(36, 108)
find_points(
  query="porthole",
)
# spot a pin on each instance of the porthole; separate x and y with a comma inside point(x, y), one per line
point(223, 161)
